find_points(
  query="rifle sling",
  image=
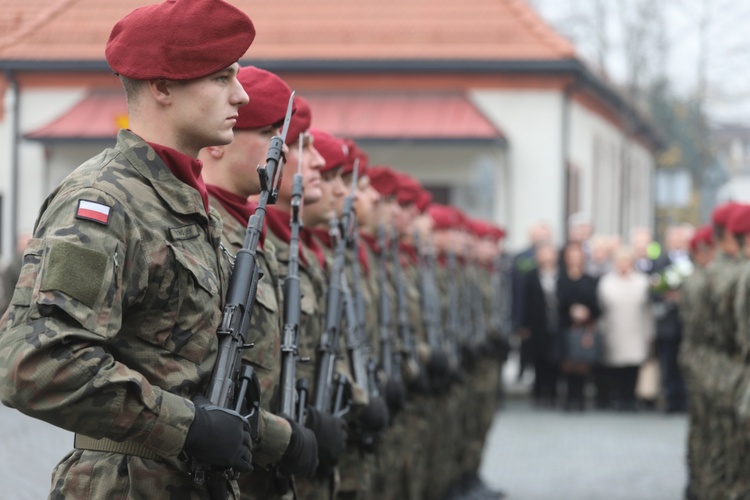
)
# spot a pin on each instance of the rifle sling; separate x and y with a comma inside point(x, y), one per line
point(82, 442)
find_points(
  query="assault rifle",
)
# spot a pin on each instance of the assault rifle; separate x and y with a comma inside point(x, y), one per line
point(390, 360)
point(453, 322)
point(234, 384)
point(292, 393)
point(329, 341)
point(402, 319)
point(359, 303)
point(288, 395)
point(429, 292)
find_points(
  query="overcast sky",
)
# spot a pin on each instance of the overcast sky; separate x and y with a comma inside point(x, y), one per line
point(727, 45)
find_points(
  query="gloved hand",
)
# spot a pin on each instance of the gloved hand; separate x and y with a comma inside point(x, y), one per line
point(438, 371)
point(374, 417)
point(470, 356)
point(301, 455)
point(219, 437)
point(330, 432)
point(395, 396)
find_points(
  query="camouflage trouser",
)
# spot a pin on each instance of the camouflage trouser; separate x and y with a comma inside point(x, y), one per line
point(442, 465)
point(414, 447)
point(388, 467)
point(94, 474)
point(355, 469)
point(317, 488)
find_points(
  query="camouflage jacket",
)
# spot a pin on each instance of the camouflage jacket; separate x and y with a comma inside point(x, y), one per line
point(724, 369)
point(112, 326)
point(265, 334)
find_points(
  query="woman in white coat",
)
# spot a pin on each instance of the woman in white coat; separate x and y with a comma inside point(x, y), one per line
point(627, 326)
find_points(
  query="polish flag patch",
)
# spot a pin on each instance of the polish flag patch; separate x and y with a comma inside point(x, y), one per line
point(91, 210)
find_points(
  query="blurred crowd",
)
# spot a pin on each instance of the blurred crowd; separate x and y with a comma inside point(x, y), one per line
point(597, 319)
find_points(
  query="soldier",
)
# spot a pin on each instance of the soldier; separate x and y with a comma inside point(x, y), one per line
point(739, 482)
point(366, 417)
point(722, 374)
point(330, 431)
point(112, 326)
point(694, 315)
point(231, 177)
point(389, 480)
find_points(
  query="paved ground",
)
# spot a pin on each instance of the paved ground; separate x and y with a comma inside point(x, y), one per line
point(530, 454)
point(549, 454)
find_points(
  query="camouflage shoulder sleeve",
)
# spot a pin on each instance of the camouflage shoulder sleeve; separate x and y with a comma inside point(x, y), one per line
point(80, 272)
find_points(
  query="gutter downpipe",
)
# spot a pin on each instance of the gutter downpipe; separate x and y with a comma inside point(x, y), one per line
point(565, 150)
point(15, 124)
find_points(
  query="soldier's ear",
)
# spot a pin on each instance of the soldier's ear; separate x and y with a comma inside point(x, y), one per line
point(161, 90)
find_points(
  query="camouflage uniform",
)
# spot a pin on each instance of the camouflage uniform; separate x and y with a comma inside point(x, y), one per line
point(112, 326)
point(694, 315)
point(312, 287)
point(387, 480)
point(724, 374)
point(420, 409)
point(741, 486)
point(265, 356)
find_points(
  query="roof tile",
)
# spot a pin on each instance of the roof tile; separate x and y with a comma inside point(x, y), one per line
point(304, 29)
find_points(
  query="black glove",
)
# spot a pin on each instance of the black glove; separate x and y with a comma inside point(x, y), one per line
point(330, 432)
point(219, 437)
point(438, 370)
point(374, 417)
point(470, 356)
point(301, 456)
point(395, 396)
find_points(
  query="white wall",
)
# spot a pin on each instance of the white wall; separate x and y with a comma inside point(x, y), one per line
point(37, 108)
point(532, 122)
point(617, 173)
point(475, 173)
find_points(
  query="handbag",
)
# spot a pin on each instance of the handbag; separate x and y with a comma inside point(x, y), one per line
point(583, 344)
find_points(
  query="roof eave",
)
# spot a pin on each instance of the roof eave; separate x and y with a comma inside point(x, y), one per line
point(570, 66)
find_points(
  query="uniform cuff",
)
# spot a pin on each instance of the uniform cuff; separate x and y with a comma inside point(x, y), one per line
point(167, 437)
point(273, 439)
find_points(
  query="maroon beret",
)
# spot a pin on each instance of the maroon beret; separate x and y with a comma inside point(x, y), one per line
point(704, 236)
point(496, 234)
point(383, 179)
point(269, 98)
point(408, 189)
point(353, 153)
point(443, 216)
point(479, 228)
point(720, 215)
point(739, 220)
point(331, 148)
point(179, 40)
point(301, 120)
point(423, 199)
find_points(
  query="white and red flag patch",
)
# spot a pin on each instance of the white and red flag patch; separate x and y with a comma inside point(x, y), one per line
point(91, 210)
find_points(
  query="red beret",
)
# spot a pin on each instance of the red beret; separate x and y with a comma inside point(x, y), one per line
point(423, 200)
point(721, 213)
point(301, 120)
point(269, 98)
point(179, 40)
point(702, 236)
point(445, 217)
point(497, 234)
point(479, 228)
point(353, 153)
point(331, 148)
point(739, 220)
point(384, 180)
point(408, 189)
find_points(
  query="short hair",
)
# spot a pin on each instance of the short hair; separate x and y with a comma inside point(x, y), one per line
point(133, 89)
